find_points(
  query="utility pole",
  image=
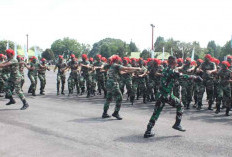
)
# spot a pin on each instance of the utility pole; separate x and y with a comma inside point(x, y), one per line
point(27, 43)
point(152, 42)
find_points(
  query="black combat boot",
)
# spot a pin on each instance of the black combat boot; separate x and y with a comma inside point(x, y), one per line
point(187, 106)
point(41, 92)
point(99, 92)
point(12, 101)
point(227, 111)
point(25, 105)
point(33, 93)
point(210, 105)
point(144, 99)
point(105, 114)
point(199, 106)
point(116, 115)
point(217, 108)
point(177, 125)
point(88, 94)
point(30, 90)
point(62, 90)
point(148, 133)
point(132, 98)
point(82, 90)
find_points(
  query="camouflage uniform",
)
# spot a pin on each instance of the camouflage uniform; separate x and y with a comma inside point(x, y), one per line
point(33, 74)
point(1, 79)
point(165, 96)
point(61, 78)
point(85, 78)
point(21, 70)
point(126, 80)
point(100, 77)
point(112, 87)
point(186, 87)
point(208, 84)
point(224, 90)
point(74, 77)
point(15, 81)
point(42, 77)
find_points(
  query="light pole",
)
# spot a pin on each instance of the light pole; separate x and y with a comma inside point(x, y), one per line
point(27, 43)
point(152, 46)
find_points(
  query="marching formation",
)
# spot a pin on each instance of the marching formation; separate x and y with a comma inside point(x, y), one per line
point(177, 82)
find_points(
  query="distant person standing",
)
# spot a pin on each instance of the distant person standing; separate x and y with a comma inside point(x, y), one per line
point(42, 75)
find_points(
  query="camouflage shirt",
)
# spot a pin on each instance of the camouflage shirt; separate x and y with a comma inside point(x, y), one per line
point(114, 72)
point(207, 66)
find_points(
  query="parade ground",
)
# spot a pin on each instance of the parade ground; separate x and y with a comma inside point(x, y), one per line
point(71, 126)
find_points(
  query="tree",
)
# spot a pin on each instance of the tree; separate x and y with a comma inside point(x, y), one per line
point(133, 47)
point(66, 47)
point(109, 46)
point(212, 48)
point(226, 50)
point(159, 44)
point(48, 54)
point(145, 54)
point(3, 45)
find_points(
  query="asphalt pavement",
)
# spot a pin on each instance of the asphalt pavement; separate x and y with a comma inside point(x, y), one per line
point(71, 126)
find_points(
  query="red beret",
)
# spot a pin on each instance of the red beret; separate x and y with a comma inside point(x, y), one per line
point(84, 56)
point(10, 51)
point(226, 63)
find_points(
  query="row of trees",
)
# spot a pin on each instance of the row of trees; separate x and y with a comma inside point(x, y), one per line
point(110, 46)
point(183, 49)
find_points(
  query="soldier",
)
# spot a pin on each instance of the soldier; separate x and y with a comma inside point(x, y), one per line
point(126, 79)
point(73, 80)
point(224, 89)
point(22, 65)
point(42, 75)
point(1, 75)
point(93, 77)
point(207, 67)
point(33, 74)
point(176, 88)
point(85, 74)
point(186, 85)
point(154, 73)
point(100, 77)
point(14, 79)
point(112, 86)
point(165, 96)
point(61, 74)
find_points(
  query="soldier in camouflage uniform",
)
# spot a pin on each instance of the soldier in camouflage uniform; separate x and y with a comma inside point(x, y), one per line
point(85, 75)
point(22, 65)
point(186, 85)
point(112, 86)
point(126, 79)
point(1, 73)
point(61, 78)
point(74, 77)
point(14, 79)
point(224, 89)
point(165, 96)
point(154, 73)
point(93, 77)
point(33, 74)
point(176, 88)
point(42, 75)
point(100, 77)
point(207, 68)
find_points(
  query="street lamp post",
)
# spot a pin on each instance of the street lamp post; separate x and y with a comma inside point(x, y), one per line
point(152, 46)
point(27, 42)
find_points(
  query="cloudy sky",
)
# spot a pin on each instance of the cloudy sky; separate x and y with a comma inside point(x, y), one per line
point(89, 21)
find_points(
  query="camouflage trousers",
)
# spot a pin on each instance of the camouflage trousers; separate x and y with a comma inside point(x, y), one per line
point(113, 91)
point(33, 79)
point(186, 92)
point(101, 83)
point(126, 82)
point(223, 93)
point(2, 82)
point(74, 81)
point(160, 103)
point(85, 80)
point(42, 78)
point(16, 83)
point(22, 80)
point(176, 89)
point(139, 87)
point(207, 85)
point(61, 78)
point(153, 87)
